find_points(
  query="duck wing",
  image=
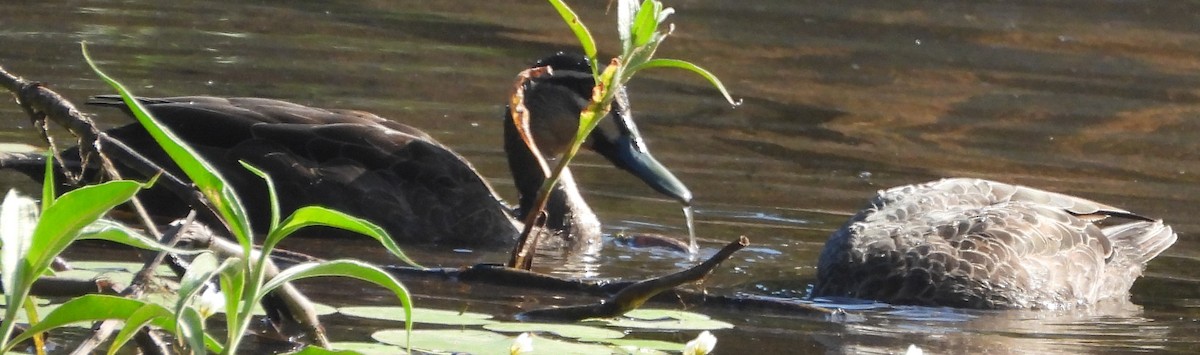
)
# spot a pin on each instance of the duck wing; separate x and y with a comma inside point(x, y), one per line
point(386, 172)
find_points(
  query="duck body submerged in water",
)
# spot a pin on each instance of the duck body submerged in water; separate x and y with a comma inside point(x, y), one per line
point(386, 172)
point(973, 243)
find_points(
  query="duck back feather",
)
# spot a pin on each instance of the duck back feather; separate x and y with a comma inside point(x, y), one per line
point(982, 244)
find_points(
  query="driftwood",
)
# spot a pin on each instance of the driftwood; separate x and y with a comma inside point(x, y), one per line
point(633, 296)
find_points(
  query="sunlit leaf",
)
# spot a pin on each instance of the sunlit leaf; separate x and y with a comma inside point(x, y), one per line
point(91, 308)
point(562, 330)
point(272, 193)
point(664, 314)
point(138, 319)
point(345, 268)
point(482, 342)
point(641, 345)
point(117, 232)
point(581, 32)
point(191, 328)
point(419, 315)
point(646, 23)
point(670, 324)
point(316, 350)
point(679, 64)
point(308, 216)
point(367, 348)
point(61, 223)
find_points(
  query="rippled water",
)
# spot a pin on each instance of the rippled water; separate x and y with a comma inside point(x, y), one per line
point(1096, 99)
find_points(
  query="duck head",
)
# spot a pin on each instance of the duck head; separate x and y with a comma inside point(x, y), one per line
point(553, 103)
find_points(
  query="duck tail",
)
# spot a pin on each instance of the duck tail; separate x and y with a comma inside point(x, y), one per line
point(1138, 242)
point(1134, 244)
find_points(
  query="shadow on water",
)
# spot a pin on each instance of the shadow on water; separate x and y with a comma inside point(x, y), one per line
point(1095, 99)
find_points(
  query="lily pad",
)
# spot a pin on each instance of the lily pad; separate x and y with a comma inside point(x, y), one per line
point(562, 330)
point(661, 314)
point(639, 346)
point(482, 342)
point(669, 324)
point(368, 348)
point(420, 315)
point(118, 266)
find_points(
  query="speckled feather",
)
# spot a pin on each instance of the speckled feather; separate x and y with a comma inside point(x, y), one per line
point(983, 244)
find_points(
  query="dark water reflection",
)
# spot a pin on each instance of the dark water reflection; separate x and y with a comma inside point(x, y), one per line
point(1096, 99)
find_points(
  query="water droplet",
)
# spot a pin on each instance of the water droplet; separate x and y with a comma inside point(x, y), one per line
point(864, 175)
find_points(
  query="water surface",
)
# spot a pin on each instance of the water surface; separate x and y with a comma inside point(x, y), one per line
point(1095, 99)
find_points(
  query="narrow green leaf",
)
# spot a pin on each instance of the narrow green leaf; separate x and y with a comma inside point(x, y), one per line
point(117, 232)
point(48, 182)
point(91, 308)
point(191, 328)
point(138, 319)
point(321, 216)
point(646, 23)
point(61, 223)
point(271, 193)
point(233, 284)
point(580, 30)
point(207, 179)
point(344, 268)
point(679, 64)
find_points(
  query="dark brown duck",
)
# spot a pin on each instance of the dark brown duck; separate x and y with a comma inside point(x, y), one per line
point(387, 172)
point(974, 243)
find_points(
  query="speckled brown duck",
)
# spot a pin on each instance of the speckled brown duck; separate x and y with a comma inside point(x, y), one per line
point(974, 243)
point(388, 172)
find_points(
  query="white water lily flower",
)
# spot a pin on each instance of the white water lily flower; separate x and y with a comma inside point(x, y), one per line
point(703, 344)
point(914, 350)
point(522, 345)
point(210, 302)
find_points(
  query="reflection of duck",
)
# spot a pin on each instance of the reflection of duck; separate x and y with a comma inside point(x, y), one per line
point(392, 174)
point(983, 244)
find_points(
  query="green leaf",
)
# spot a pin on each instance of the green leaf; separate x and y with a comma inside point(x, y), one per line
point(60, 224)
point(272, 194)
point(191, 328)
point(679, 64)
point(203, 175)
point(48, 182)
point(367, 348)
point(91, 308)
point(562, 330)
point(321, 216)
point(346, 268)
point(419, 315)
point(138, 319)
point(117, 232)
point(580, 30)
point(646, 23)
point(316, 350)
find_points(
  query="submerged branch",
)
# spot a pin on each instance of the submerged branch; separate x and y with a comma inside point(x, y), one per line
point(633, 296)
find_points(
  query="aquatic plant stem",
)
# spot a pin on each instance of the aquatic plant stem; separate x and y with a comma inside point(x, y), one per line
point(601, 102)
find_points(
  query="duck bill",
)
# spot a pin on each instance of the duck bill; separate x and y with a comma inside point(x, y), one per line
point(617, 139)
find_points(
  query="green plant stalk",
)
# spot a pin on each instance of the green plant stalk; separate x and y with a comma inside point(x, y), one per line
point(602, 96)
point(39, 341)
